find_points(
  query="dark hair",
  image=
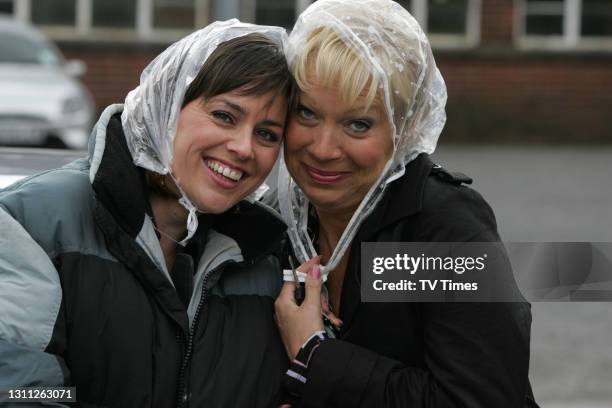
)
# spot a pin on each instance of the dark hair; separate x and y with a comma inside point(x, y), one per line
point(252, 63)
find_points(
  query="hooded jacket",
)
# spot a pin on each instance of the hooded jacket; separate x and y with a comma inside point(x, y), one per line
point(87, 300)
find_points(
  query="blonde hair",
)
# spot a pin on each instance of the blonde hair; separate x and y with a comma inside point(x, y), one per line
point(328, 61)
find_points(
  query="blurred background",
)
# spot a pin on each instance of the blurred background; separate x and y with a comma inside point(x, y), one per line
point(529, 118)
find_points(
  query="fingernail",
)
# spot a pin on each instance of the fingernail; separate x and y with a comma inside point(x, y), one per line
point(315, 272)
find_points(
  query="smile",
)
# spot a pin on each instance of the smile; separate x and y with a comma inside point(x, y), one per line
point(224, 170)
point(324, 177)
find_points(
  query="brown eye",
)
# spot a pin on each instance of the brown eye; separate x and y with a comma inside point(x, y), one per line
point(267, 136)
point(223, 116)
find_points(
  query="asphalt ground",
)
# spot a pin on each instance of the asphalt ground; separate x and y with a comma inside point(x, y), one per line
point(538, 194)
point(553, 194)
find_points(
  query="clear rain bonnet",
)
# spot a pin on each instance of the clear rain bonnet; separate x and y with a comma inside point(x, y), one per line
point(151, 111)
point(392, 45)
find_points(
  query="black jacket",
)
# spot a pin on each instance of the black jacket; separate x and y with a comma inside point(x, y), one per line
point(124, 336)
point(427, 355)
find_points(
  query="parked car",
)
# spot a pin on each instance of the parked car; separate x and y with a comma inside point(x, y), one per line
point(42, 102)
point(18, 162)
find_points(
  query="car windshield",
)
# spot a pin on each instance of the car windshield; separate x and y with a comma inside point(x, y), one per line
point(18, 49)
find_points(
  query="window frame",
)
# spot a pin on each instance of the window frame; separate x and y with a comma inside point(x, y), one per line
point(419, 9)
point(571, 37)
point(142, 31)
point(470, 39)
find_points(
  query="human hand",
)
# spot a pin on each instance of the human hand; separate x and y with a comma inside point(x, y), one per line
point(327, 312)
point(297, 323)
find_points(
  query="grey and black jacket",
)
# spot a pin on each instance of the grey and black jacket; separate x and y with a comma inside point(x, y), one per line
point(86, 299)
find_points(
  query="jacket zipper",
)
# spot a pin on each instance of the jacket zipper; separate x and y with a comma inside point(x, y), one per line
point(182, 387)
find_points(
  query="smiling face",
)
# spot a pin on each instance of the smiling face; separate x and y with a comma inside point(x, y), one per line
point(335, 150)
point(226, 145)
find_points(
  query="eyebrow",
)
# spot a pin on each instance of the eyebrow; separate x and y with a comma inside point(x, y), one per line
point(244, 112)
point(359, 111)
point(270, 122)
point(235, 106)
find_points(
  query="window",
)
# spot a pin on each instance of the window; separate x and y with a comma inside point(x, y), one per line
point(173, 14)
point(276, 12)
point(24, 50)
point(57, 12)
point(448, 23)
point(114, 13)
point(544, 17)
point(596, 19)
point(563, 24)
point(119, 20)
point(447, 16)
point(6, 6)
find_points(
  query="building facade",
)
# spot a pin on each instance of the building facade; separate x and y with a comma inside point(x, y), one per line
point(516, 70)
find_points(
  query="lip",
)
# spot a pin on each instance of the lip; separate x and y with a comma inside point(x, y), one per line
point(324, 177)
point(231, 166)
point(220, 180)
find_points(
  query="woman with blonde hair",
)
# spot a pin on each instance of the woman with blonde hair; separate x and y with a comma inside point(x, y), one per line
point(356, 169)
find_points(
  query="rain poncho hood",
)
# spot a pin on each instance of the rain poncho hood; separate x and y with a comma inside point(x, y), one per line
point(151, 110)
point(391, 42)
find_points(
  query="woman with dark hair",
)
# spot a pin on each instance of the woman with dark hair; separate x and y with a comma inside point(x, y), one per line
point(144, 275)
point(356, 169)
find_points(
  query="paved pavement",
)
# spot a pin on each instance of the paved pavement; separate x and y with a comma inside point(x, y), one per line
point(553, 194)
point(542, 194)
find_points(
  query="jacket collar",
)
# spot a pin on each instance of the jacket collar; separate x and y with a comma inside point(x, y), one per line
point(257, 229)
point(118, 184)
point(404, 197)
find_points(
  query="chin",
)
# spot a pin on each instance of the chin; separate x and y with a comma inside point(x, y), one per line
point(214, 205)
point(323, 200)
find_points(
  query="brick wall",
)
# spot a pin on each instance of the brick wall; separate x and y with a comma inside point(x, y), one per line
point(536, 100)
point(496, 93)
point(111, 74)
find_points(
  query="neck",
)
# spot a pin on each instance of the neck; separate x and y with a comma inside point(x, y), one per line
point(170, 217)
point(331, 227)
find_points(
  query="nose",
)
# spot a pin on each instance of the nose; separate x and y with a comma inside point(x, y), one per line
point(241, 144)
point(325, 143)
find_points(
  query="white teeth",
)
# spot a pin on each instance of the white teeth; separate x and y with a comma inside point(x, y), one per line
point(231, 174)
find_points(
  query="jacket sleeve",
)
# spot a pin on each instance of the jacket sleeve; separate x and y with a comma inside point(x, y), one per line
point(30, 300)
point(477, 355)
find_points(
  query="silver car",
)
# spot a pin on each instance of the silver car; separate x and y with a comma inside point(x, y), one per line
point(18, 162)
point(41, 100)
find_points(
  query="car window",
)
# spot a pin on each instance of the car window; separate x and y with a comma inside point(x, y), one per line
point(18, 49)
